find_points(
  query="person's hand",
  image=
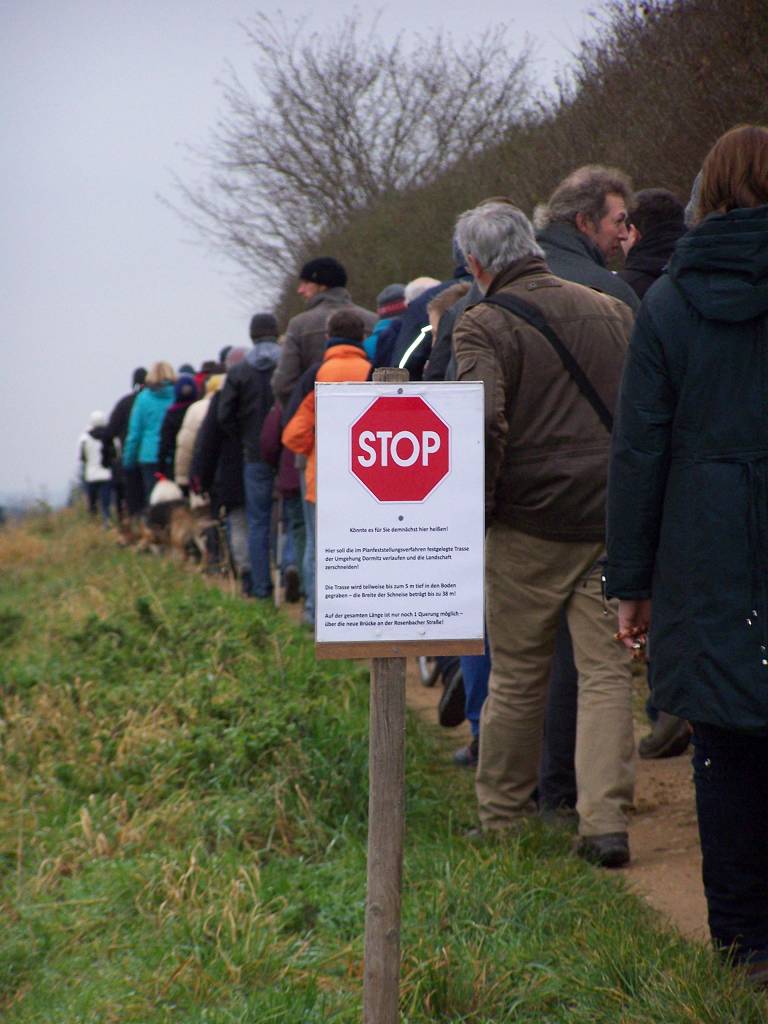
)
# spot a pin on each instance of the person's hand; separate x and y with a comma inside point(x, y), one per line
point(634, 623)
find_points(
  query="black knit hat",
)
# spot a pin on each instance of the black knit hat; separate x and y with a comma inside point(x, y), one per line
point(139, 376)
point(263, 325)
point(324, 270)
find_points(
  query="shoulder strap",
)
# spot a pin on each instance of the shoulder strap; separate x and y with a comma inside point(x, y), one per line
point(535, 317)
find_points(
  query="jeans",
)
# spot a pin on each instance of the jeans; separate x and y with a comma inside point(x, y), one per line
point(259, 479)
point(295, 537)
point(730, 772)
point(99, 491)
point(308, 561)
point(237, 536)
point(308, 568)
point(475, 668)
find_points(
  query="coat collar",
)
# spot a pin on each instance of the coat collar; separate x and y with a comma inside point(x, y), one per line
point(525, 267)
point(338, 295)
point(567, 236)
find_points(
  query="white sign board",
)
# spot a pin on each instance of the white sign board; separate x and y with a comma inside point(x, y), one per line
point(400, 518)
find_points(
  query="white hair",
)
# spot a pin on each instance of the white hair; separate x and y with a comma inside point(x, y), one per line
point(417, 287)
point(496, 234)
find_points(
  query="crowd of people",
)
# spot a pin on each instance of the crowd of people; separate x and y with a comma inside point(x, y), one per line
point(657, 371)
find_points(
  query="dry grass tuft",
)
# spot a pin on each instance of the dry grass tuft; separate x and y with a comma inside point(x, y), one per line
point(20, 548)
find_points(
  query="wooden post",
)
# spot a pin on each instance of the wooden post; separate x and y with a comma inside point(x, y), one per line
point(386, 826)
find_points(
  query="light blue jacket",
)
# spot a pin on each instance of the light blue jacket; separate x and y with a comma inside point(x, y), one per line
point(142, 442)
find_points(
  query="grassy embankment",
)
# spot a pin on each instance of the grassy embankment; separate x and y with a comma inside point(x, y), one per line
point(182, 830)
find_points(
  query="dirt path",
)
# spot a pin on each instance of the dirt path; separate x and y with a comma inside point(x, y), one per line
point(666, 863)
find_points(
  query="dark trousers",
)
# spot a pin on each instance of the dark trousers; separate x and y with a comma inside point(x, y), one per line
point(134, 491)
point(99, 494)
point(148, 481)
point(557, 774)
point(730, 771)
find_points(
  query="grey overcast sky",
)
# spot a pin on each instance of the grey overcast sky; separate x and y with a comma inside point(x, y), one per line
point(99, 99)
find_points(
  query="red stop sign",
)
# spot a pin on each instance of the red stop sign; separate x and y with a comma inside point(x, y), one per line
point(400, 448)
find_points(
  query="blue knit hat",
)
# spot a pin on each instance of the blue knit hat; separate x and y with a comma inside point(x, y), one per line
point(185, 388)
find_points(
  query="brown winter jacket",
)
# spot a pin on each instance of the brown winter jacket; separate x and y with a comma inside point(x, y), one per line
point(306, 336)
point(546, 458)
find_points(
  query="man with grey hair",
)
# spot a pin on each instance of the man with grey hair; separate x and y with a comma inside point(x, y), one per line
point(551, 366)
point(584, 224)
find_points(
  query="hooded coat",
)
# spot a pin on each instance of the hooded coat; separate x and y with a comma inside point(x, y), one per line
point(688, 491)
point(247, 396)
point(96, 450)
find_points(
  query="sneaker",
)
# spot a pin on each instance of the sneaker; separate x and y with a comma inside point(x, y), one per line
point(292, 584)
point(466, 757)
point(610, 850)
point(669, 737)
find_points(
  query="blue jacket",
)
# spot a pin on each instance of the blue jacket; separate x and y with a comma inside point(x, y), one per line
point(142, 443)
point(688, 484)
point(372, 340)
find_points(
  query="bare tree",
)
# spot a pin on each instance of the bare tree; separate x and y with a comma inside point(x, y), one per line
point(334, 123)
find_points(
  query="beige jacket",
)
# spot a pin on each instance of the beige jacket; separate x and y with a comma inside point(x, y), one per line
point(190, 427)
point(546, 460)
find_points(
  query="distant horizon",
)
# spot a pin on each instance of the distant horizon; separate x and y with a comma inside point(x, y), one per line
point(102, 103)
point(21, 500)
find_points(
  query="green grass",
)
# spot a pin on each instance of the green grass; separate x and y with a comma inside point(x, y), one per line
point(183, 824)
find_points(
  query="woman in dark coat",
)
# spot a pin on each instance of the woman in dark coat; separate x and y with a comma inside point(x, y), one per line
point(688, 523)
point(185, 393)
